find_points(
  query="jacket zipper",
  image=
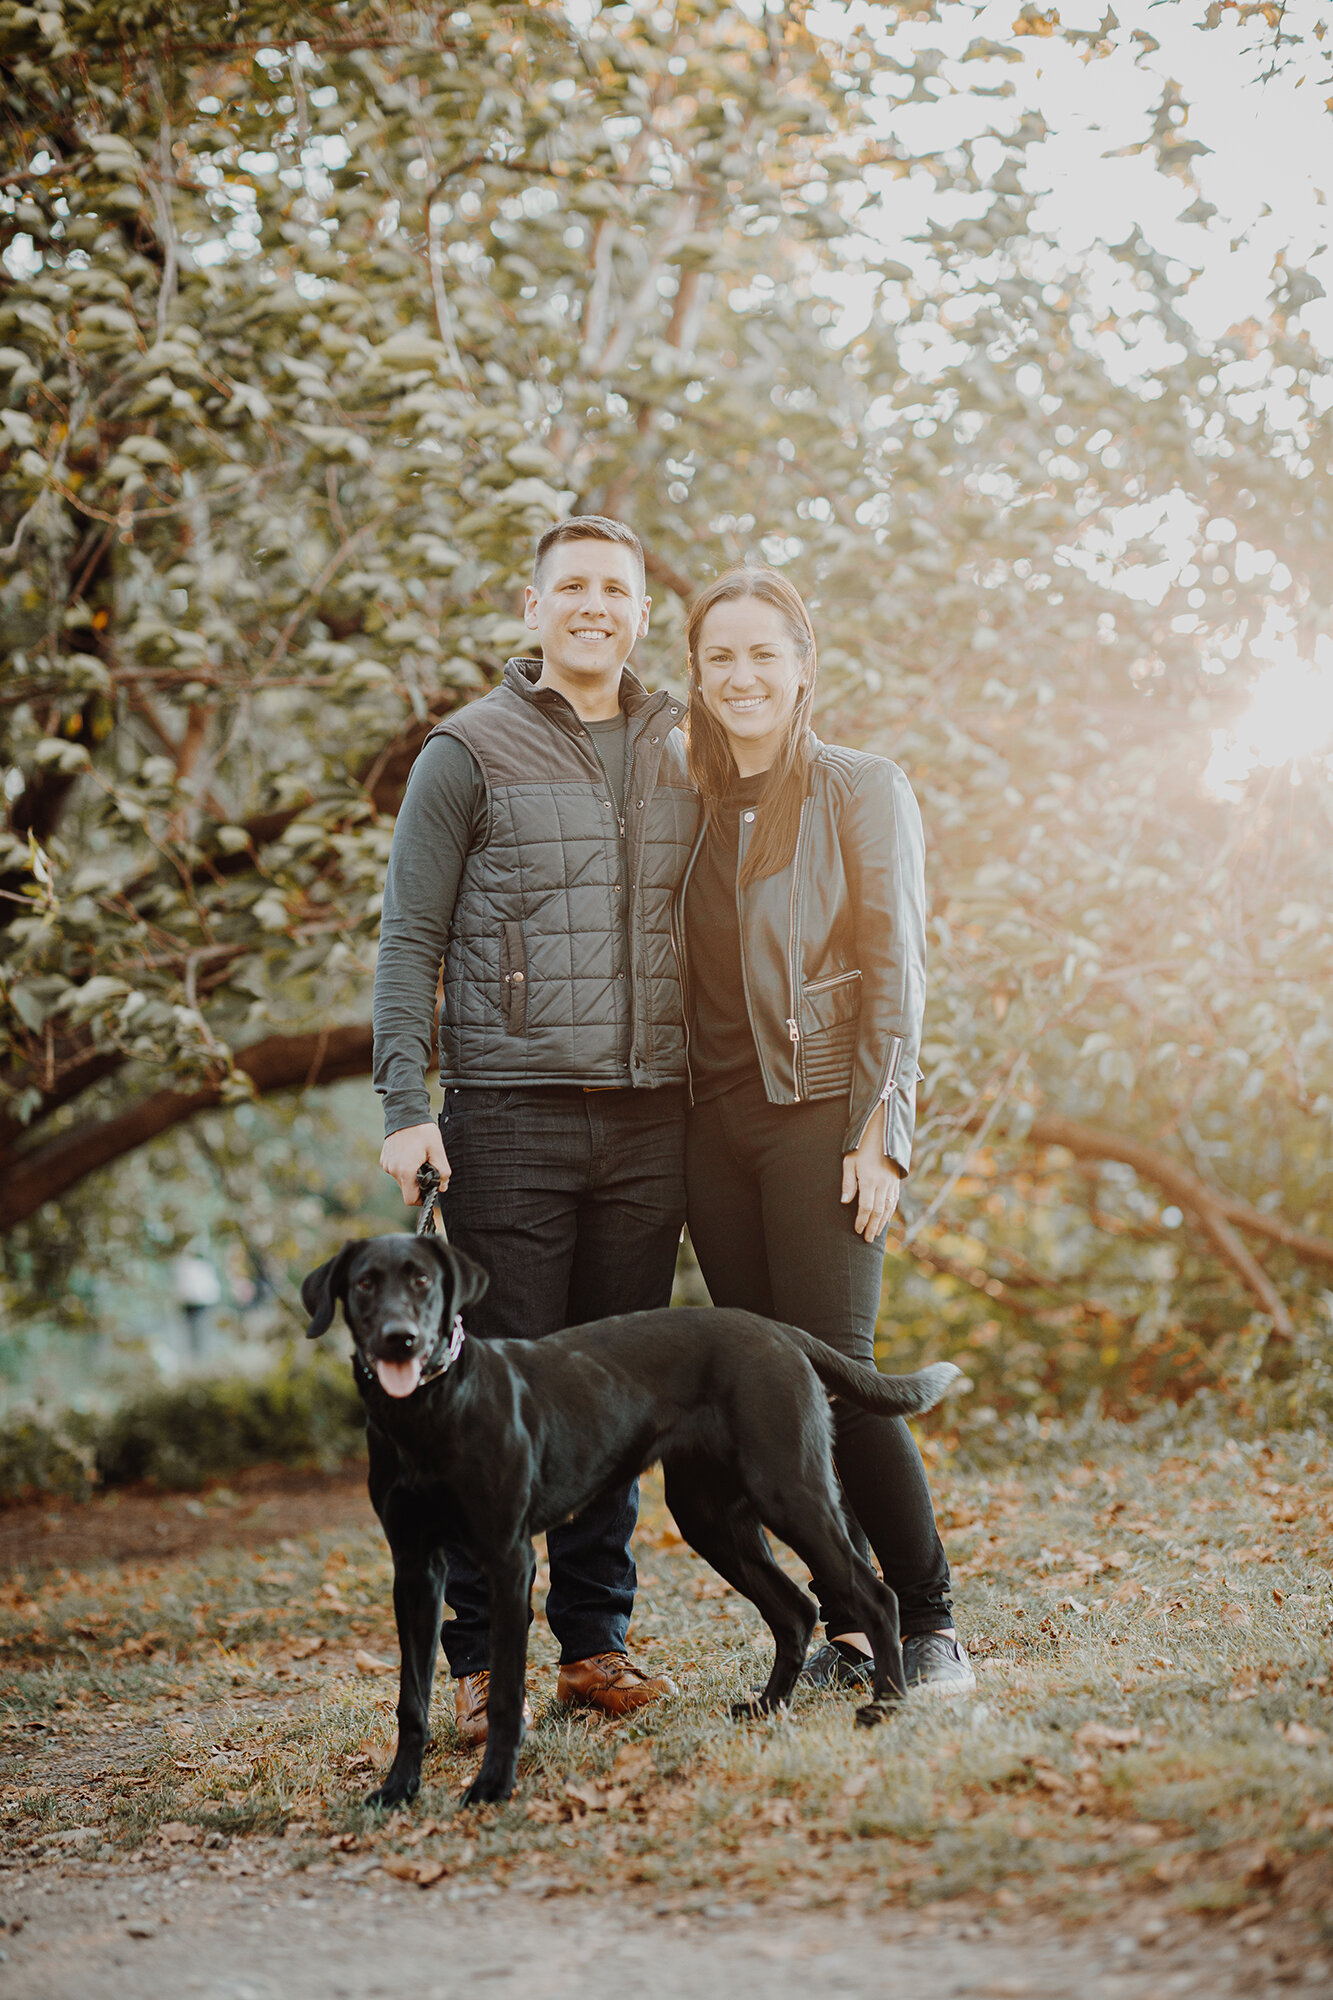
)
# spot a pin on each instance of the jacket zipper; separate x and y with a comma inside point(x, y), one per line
point(834, 979)
point(772, 1093)
point(793, 1020)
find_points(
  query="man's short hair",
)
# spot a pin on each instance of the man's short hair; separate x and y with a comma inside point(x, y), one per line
point(590, 528)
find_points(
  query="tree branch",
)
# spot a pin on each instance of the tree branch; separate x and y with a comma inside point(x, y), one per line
point(279, 1062)
point(1215, 1212)
point(674, 579)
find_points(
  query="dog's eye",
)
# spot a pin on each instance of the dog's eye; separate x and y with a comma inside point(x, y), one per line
point(365, 1284)
point(420, 1280)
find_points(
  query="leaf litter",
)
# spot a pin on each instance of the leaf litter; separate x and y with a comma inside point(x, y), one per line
point(239, 1705)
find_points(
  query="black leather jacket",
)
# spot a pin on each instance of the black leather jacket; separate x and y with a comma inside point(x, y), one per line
point(833, 948)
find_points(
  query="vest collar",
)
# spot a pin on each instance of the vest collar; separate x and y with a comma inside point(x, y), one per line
point(522, 672)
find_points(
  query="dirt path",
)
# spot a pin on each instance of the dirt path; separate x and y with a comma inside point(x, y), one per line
point(257, 1507)
point(354, 1932)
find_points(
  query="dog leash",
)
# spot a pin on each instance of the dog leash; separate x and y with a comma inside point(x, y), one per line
point(428, 1185)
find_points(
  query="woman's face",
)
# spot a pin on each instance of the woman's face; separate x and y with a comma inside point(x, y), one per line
point(750, 676)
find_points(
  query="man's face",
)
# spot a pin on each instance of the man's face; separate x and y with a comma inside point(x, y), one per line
point(587, 607)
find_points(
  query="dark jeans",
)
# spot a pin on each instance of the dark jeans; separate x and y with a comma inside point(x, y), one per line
point(763, 1183)
point(573, 1201)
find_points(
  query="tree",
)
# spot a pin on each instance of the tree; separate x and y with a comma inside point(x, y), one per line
point(315, 326)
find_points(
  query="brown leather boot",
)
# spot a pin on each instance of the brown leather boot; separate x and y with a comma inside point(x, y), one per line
point(610, 1682)
point(471, 1692)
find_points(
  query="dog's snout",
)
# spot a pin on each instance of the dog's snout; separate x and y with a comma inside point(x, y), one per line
point(400, 1334)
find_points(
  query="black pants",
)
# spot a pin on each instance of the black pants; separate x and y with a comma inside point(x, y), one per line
point(763, 1184)
point(573, 1201)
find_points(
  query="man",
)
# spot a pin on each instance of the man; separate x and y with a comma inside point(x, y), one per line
point(540, 839)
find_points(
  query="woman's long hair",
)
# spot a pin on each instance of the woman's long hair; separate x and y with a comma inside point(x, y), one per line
point(712, 766)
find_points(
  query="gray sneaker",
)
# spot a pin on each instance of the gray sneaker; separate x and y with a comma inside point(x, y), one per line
point(836, 1665)
point(937, 1663)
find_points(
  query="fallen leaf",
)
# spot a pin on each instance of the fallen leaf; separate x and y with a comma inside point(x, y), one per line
point(423, 1873)
point(1320, 1819)
point(1302, 1735)
point(633, 1762)
point(301, 1649)
point(1102, 1736)
point(597, 1798)
point(1046, 1775)
point(176, 1830)
point(1260, 1866)
point(1072, 1604)
point(856, 1785)
point(1172, 1867)
point(1277, 1595)
point(1144, 1834)
point(366, 1663)
point(342, 1843)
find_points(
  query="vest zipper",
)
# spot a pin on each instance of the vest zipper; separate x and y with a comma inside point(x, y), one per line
point(677, 935)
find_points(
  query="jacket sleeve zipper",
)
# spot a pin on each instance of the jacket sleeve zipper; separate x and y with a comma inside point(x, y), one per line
point(891, 1081)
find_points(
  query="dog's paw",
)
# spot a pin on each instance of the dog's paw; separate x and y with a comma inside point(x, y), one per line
point(754, 1707)
point(875, 1712)
point(393, 1792)
point(484, 1791)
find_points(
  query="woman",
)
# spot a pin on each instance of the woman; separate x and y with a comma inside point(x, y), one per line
point(801, 932)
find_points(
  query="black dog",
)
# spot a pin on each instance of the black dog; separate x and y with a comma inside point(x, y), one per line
point(486, 1443)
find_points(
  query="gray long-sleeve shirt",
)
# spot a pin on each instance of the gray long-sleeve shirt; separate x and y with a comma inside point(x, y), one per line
point(443, 815)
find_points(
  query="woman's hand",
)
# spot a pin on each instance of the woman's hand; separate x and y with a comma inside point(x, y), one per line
point(870, 1178)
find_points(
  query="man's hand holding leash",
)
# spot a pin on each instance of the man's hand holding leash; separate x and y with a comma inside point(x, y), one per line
point(405, 1152)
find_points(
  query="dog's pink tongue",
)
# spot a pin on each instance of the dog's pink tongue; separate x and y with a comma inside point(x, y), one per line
point(398, 1378)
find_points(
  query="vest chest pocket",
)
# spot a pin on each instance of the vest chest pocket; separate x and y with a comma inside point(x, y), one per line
point(514, 974)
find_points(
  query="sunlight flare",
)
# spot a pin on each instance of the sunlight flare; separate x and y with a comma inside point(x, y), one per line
point(1289, 720)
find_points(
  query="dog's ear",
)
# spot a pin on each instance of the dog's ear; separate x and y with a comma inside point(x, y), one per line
point(323, 1288)
point(466, 1278)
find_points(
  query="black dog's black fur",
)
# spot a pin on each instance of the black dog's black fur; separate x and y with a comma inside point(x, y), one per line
point(518, 1435)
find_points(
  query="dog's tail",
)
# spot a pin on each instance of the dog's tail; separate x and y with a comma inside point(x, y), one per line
point(885, 1395)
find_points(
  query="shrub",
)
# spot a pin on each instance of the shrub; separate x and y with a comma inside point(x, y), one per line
point(300, 1414)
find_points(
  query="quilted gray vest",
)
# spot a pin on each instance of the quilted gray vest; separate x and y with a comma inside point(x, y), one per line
point(560, 966)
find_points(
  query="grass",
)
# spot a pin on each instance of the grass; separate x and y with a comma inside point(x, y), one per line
point(1150, 1621)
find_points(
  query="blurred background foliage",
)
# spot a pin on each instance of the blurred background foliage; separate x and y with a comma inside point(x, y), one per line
point(312, 317)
